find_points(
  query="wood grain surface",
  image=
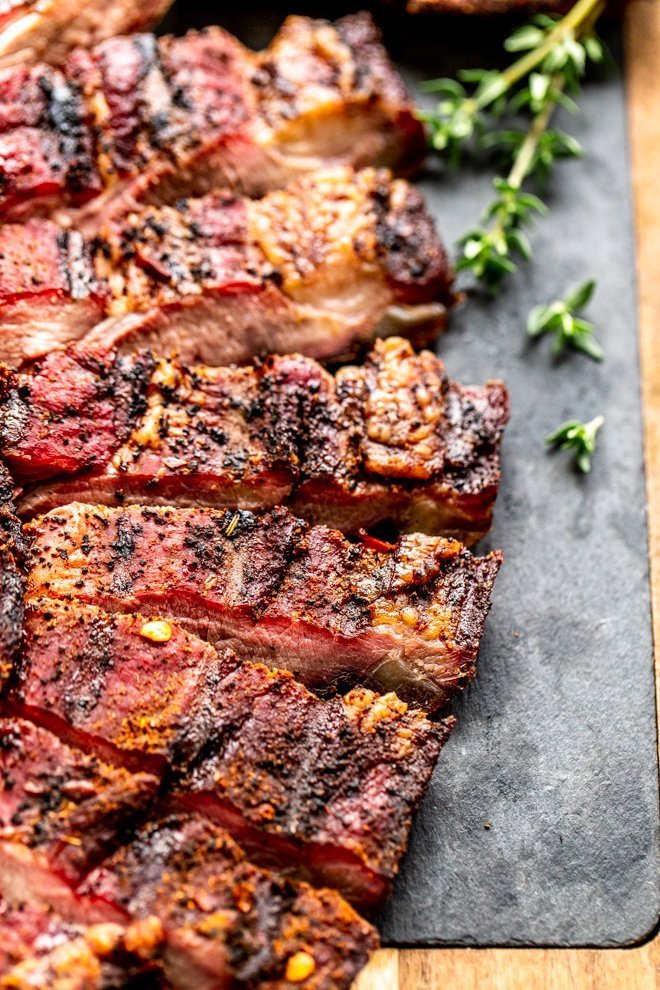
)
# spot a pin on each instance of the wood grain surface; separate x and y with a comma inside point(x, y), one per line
point(636, 968)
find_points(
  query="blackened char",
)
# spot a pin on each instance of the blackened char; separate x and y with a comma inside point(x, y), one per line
point(405, 617)
point(327, 789)
point(139, 118)
point(392, 440)
point(320, 267)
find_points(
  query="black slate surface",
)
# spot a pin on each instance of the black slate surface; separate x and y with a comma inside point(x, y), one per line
point(556, 744)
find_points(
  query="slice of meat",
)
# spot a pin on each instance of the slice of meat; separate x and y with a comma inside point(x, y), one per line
point(47, 30)
point(67, 807)
point(407, 617)
point(152, 119)
point(47, 147)
point(182, 898)
point(228, 923)
point(181, 893)
point(61, 812)
point(321, 268)
point(332, 793)
point(333, 87)
point(394, 440)
point(42, 951)
point(94, 679)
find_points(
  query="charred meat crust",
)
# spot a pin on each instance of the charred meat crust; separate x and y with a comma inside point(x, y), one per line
point(393, 440)
point(333, 792)
point(160, 255)
point(46, 143)
point(12, 578)
point(402, 617)
point(163, 103)
point(362, 36)
point(408, 244)
point(320, 267)
point(166, 117)
point(72, 411)
point(225, 920)
point(38, 258)
point(69, 806)
point(347, 57)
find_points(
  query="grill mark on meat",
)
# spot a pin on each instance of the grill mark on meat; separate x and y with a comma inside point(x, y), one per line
point(46, 145)
point(226, 921)
point(62, 110)
point(124, 549)
point(310, 268)
point(393, 440)
point(66, 116)
point(157, 118)
point(87, 406)
point(408, 616)
point(211, 544)
point(331, 795)
point(92, 667)
point(151, 62)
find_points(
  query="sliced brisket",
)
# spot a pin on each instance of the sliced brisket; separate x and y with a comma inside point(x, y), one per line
point(177, 894)
point(393, 440)
point(325, 788)
point(319, 268)
point(60, 807)
point(144, 118)
point(181, 899)
point(407, 617)
point(227, 923)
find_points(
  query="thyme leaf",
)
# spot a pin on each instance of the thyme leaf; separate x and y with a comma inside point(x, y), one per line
point(570, 330)
point(579, 437)
point(467, 121)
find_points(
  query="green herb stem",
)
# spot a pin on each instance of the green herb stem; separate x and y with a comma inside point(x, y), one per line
point(580, 18)
point(525, 157)
point(487, 251)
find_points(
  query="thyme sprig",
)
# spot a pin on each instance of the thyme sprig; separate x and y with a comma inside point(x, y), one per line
point(579, 437)
point(570, 330)
point(554, 60)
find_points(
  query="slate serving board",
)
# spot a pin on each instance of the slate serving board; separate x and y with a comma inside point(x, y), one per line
point(555, 748)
